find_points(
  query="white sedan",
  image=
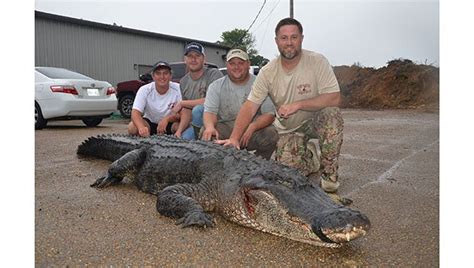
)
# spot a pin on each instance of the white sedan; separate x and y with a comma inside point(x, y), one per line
point(61, 94)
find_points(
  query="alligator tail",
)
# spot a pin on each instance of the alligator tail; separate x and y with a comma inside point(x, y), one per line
point(109, 147)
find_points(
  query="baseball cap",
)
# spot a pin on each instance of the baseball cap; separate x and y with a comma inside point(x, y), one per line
point(194, 46)
point(237, 53)
point(161, 64)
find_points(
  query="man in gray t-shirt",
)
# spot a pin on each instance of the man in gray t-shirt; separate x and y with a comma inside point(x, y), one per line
point(223, 101)
point(193, 88)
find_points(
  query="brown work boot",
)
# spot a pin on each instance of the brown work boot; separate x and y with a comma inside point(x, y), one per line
point(328, 185)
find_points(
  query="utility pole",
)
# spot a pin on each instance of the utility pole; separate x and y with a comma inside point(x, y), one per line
point(291, 8)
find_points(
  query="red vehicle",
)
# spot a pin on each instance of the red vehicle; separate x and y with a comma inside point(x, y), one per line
point(127, 90)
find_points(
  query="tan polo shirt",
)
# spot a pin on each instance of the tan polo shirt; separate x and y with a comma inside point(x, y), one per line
point(311, 77)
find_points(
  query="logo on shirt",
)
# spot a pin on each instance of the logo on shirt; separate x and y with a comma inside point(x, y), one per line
point(304, 89)
point(202, 92)
point(171, 105)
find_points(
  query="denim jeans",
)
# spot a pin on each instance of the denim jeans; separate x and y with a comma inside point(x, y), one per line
point(188, 134)
point(198, 112)
point(196, 123)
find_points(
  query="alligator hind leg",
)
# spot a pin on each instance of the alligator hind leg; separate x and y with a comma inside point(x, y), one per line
point(126, 164)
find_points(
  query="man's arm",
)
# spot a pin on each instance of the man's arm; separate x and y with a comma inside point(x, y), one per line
point(262, 121)
point(186, 116)
point(187, 104)
point(246, 113)
point(210, 121)
point(161, 128)
point(317, 103)
point(140, 124)
point(191, 103)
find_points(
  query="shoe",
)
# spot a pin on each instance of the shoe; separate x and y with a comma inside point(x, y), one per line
point(329, 186)
point(339, 199)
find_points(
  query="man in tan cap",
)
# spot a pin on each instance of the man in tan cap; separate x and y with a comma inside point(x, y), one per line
point(224, 98)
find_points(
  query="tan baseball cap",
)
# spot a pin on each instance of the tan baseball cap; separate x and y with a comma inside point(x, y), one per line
point(239, 53)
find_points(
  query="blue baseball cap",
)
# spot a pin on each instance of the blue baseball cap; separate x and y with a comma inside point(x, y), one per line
point(194, 46)
point(161, 64)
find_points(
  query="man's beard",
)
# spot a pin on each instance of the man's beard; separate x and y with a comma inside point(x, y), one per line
point(289, 55)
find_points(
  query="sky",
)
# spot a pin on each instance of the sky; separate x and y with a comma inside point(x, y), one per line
point(367, 33)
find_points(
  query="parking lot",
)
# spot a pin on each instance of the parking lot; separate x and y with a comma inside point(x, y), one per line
point(389, 167)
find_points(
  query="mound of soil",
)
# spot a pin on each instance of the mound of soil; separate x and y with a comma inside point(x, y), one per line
point(401, 84)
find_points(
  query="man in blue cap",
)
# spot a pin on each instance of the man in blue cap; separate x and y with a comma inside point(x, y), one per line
point(194, 86)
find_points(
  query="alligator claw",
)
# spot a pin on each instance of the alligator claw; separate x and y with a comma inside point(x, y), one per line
point(198, 218)
point(104, 181)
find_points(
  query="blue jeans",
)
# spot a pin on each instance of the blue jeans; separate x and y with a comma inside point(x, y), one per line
point(196, 122)
point(198, 112)
point(188, 134)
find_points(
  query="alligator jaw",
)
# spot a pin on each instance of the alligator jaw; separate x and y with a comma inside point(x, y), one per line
point(340, 225)
point(347, 234)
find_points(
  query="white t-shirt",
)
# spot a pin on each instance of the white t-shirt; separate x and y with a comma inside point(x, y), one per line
point(153, 105)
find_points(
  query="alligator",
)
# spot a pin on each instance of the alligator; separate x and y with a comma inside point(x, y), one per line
point(193, 178)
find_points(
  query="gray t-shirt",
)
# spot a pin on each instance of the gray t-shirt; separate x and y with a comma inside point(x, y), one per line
point(224, 99)
point(196, 89)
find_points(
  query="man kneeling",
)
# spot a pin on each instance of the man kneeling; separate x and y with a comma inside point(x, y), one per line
point(222, 104)
point(151, 112)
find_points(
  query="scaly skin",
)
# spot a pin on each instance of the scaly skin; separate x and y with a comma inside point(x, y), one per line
point(192, 178)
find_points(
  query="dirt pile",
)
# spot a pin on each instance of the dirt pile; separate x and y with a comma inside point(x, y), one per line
point(401, 84)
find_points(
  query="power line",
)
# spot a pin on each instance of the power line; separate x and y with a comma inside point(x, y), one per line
point(266, 27)
point(246, 31)
point(271, 11)
point(258, 14)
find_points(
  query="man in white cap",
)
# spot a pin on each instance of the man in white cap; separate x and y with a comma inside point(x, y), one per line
point(222, 104)
point(151, 112)
point(193, 88)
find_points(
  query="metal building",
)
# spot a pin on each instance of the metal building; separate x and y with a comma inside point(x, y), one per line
point(108, 52)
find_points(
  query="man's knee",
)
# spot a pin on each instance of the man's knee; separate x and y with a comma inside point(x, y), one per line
point(267, 137)
point(294, 150)
point(330, 117)
point(197, 114)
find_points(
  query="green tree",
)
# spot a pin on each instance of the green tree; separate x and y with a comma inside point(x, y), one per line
point(240, 38)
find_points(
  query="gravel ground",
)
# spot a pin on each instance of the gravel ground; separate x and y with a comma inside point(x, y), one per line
point(389, 167)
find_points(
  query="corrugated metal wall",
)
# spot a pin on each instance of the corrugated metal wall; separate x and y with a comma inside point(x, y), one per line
point(105, 54)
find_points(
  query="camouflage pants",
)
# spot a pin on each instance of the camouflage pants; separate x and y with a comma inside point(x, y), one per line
point(300, 149)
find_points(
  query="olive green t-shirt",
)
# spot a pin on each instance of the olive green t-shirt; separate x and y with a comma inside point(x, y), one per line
point(196, 89)
point(312, 77)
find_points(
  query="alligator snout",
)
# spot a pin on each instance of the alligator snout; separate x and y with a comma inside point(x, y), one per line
point(340, 225)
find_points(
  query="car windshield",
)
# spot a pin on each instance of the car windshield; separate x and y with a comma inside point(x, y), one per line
point(59, 73)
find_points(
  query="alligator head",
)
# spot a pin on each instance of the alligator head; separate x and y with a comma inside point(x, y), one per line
point(296, 210)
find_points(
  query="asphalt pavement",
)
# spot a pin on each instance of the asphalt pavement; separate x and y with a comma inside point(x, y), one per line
point(389, 167)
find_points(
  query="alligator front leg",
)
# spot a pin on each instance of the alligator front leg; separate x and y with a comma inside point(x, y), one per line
point(126, 164)
point(181, 201)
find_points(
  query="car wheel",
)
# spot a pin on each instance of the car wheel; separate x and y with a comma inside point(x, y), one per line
point(125, 105)
point(40, 122)
point(92, 122)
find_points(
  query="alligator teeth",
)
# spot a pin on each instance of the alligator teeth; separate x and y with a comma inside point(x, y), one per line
point(348, 237)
